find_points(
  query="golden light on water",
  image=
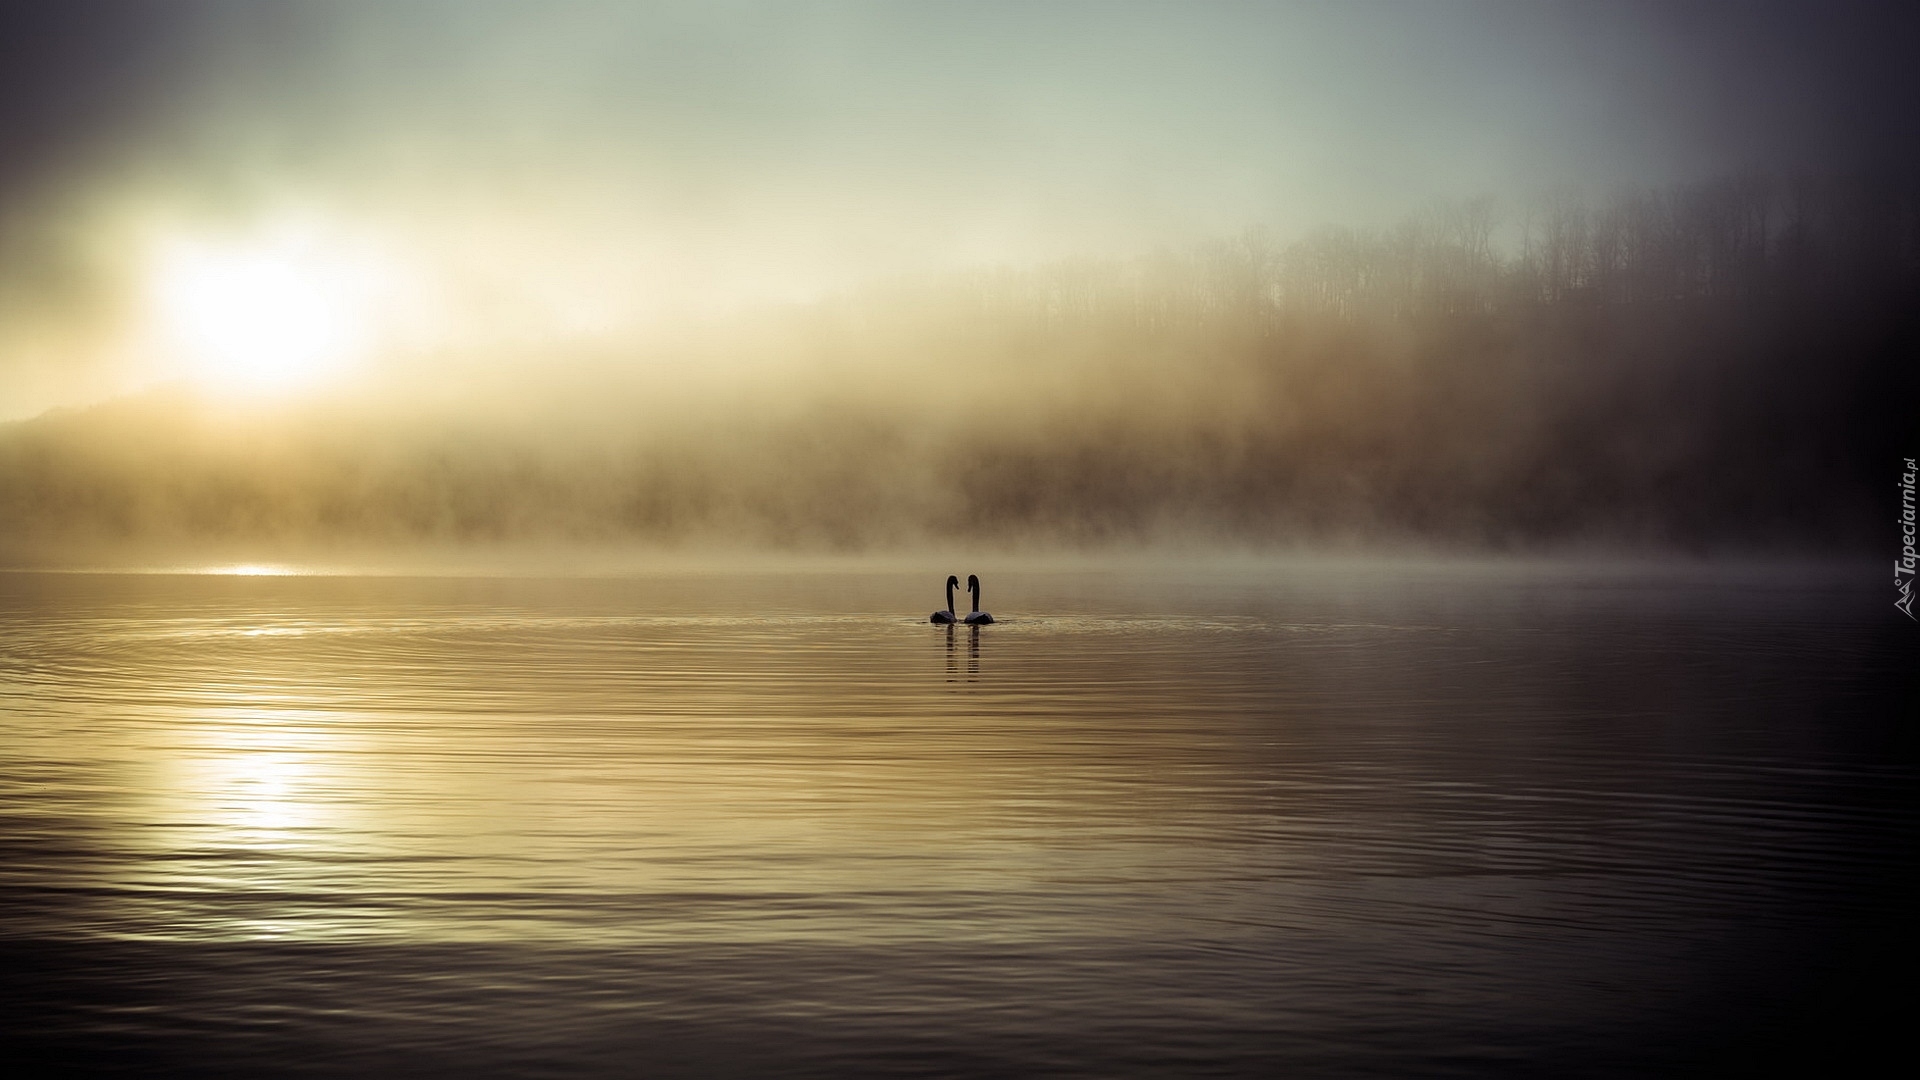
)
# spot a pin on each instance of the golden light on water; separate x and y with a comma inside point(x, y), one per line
point(251, 786)
point(252, 570)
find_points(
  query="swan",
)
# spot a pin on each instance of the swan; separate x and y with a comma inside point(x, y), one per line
point(976, 617)
point(947, 615)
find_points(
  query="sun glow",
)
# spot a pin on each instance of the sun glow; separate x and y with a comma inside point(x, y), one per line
point(252, 570)
point(266, 315)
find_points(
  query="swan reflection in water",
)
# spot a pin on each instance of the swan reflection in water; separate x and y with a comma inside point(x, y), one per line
point(974, 620)
point(973, 656)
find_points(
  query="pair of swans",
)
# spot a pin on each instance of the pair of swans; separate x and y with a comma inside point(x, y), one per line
point(975, 617)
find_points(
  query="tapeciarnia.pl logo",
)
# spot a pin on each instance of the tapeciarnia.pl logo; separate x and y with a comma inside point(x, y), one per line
point(1904, 564)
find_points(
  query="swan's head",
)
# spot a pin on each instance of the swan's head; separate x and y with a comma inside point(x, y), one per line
point(953, 582)
point(973, 583)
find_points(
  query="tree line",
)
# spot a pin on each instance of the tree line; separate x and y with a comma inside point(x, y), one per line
point(1726, 365)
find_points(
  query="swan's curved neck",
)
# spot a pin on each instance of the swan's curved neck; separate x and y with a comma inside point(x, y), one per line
point(974, 590)
point(949, 596)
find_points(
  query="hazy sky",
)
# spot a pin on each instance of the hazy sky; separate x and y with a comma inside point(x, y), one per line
point(521, 172)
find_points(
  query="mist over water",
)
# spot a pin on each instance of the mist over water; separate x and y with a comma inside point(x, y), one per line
point(1719, 367)
point(474, 477)
point(279, 282)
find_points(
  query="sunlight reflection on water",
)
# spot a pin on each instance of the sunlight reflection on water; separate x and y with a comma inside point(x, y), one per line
point(1422, 805)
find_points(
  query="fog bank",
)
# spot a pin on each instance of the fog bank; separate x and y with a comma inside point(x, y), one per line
point(1724, 366)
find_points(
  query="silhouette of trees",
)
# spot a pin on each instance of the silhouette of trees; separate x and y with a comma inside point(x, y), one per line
point(1729, 363)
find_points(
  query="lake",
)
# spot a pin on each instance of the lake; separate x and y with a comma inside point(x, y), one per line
point(1340, 818)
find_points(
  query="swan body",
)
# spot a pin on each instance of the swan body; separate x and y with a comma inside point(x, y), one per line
point(976, 617)
point(946, 616)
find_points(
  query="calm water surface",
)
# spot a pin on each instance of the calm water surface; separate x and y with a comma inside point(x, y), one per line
point(1321, 819)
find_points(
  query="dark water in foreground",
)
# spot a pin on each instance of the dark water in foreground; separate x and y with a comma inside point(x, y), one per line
point(1321, 820)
